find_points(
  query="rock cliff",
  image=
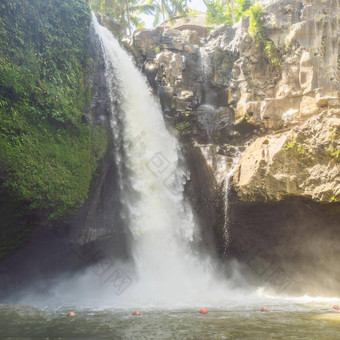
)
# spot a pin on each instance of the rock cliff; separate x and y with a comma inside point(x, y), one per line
point(277, 103)
point(303, 161)
point(226, 90)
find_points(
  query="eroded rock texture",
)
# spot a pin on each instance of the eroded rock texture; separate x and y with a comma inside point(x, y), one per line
point(225, 97)
point(224, 90)
point(304, 95)
point(303, 161)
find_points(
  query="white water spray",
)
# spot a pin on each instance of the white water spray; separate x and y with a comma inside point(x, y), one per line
point(160, 220)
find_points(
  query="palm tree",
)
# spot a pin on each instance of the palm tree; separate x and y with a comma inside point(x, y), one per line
point(127, 7)
point(168, 9)
point(133, 8)
point(232, 11)
point(125, 12)
point(212, 9)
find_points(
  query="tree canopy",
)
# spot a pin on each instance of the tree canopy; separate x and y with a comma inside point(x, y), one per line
point(167, 9)
point(127, 12)
point(227, 11)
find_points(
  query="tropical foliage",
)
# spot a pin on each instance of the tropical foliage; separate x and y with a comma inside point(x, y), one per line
point(258, 31)
point(227, 11)
point(164, 10)
point(128, 12)
point(125, 12)
point(48, 153)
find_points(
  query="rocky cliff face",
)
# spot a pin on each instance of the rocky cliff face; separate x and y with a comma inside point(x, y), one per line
point(225, 90)
point(226, 94)
point(304, 103)
point(303, 161)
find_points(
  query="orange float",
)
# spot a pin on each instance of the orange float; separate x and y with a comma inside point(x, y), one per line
point(204, 311)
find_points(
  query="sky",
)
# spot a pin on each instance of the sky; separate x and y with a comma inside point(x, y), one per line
point(198, 5)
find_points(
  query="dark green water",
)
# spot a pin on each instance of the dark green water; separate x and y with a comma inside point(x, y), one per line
point(284, 321)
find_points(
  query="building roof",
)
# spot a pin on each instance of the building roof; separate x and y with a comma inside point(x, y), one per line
point(193, 20)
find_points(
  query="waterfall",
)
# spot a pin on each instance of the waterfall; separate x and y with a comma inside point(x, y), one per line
point(152, 179)
point(228, 175)
point(206, 116)
point(205, 69)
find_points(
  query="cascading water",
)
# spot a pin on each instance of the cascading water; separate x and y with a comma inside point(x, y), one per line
point(227, 178)
point(205, 69)
point(160, 220)
point(206, 119)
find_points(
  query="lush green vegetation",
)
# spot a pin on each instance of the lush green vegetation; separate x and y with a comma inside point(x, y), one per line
point(167, 9)
point(227, 11)
point(260, 34)
point(48, 150)
point(127, 12)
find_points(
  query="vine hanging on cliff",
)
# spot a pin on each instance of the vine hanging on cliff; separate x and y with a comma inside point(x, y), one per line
point(259, 32)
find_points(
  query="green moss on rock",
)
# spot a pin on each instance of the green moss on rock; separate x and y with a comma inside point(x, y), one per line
point(48, 151)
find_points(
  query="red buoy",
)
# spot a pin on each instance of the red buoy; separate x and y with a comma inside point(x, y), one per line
point(264, 309)
point(336, 307)
point(71, 314)
point(137, 313)
point(204, 311)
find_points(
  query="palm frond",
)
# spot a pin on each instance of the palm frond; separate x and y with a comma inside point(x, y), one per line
point(142, 9)
point(157, 17)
